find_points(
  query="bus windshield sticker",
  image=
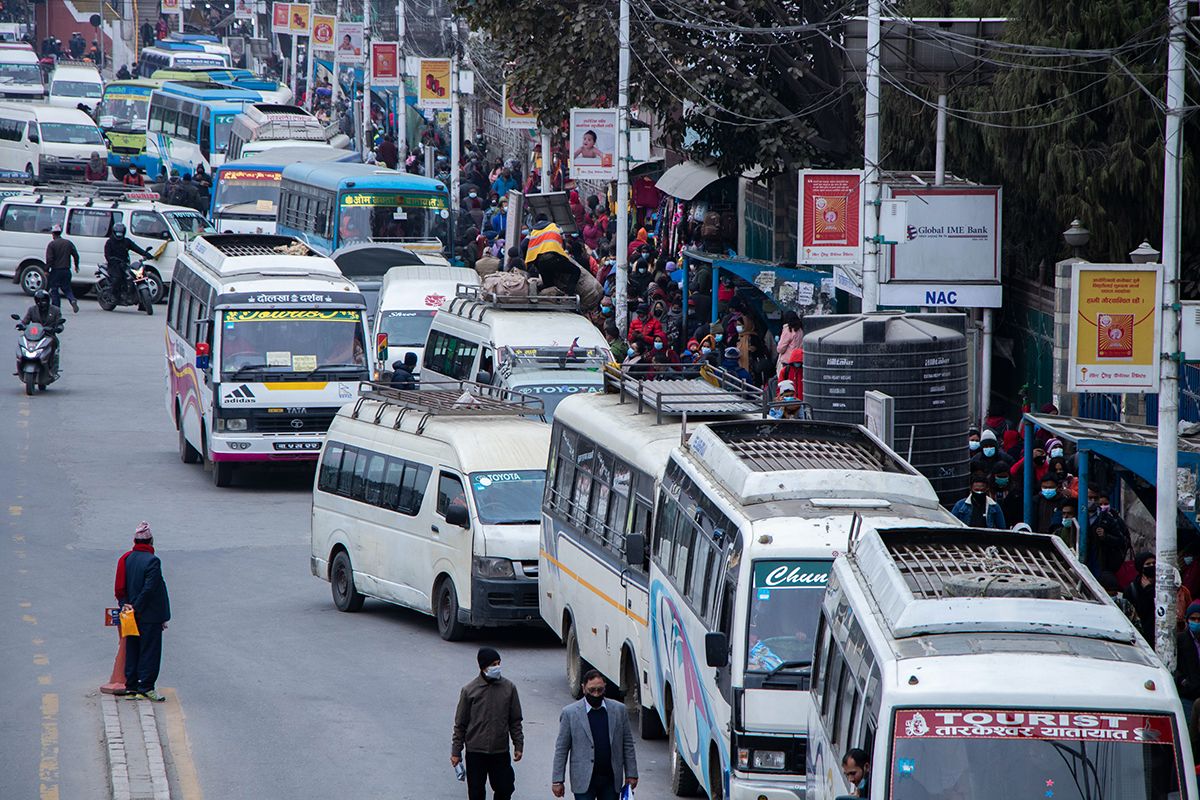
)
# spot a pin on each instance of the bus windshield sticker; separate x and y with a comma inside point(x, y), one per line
point(790, 575)
point(304, 363)
point(251, 175)
point(371, 199)
point(968, 723)
point(306, 314)
point(263, 204)
point(482, 480)
point(279, 358)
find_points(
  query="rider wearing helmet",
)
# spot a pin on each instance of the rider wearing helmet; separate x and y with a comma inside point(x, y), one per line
point(116, 255)
point(47, 315)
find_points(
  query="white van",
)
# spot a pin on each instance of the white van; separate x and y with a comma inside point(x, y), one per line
point(20, 73)
point(46, 142)
point(534, 345)
point(408, 300)
point(26, 220)
point(73, 84)
point(431, 500)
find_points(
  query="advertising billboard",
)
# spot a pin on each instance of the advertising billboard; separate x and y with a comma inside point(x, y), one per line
point(516, 116)
point(348, 37)
point(831, 215)
point(1116, 326)
point(952, 236)
point(322, 31)
point(385, 63)
point(433, 83)
point(594, 143)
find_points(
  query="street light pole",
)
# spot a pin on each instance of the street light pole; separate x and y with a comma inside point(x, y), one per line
point(870, 276)
point(1167, 504)
point(622, 298)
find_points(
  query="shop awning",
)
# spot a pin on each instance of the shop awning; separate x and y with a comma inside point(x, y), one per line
point(685, 181)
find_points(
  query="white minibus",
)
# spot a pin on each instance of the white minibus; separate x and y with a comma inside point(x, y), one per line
point(430, 500)
point(74, 84)
point(20, 73)
point(45, 142)
point(408, 299)
point(266, 339)
point(984, 664)
point(535, 345)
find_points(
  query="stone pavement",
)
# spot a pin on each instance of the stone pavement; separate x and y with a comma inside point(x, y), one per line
point(137, 770)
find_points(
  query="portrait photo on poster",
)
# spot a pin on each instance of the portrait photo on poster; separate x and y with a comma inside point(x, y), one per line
point(594, 143)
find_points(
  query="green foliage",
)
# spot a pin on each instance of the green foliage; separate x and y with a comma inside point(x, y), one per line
point(744, 98)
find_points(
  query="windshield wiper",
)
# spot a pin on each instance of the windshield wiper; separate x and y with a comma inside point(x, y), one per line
point(335, 368)
point(786, 665)
point(242, 369)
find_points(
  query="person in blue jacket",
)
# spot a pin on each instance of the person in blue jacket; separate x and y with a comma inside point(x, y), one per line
point(140, 587)
point(978, 509)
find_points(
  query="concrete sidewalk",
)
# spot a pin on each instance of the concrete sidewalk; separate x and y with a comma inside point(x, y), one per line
point(137, 770)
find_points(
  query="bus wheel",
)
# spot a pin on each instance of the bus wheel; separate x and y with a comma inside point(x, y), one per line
point(574, 663)
point(683, 780)
point(644, 720)
point(187, 453)
point(449, 626)
point(222, 474)
point(341, 578)
point(716, 776)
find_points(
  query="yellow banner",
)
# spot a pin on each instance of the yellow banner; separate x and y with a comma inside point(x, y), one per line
point(315, 314)
point(433, 83)
point(1115, 328)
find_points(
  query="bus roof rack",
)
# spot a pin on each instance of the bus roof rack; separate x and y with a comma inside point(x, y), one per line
point(554, 357)
point(241, 245)
point(449, 398)
point(806, 445)
point(469, 300)
point(695, 391)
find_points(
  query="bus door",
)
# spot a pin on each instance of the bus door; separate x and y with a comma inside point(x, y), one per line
point(636, 489)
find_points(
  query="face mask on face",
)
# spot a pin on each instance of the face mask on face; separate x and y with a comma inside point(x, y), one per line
point(989, 451)
point(1048, 493)
point(1001, 482)
point(974, 445)
point(492, 673)
point(658, 345)
point(740, 328)
point(705, 350)
point(1039, 460)
point(605, 309)
point(720, 336)
point(595, 701)
point(1056, 452)
point(1194, 627)
point(1148, 570)
point(1104, 507)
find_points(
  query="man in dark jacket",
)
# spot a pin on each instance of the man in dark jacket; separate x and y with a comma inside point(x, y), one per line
point(140, 587)
point(1187, 670)
point(989, 456)
point(402, 372)
point(489, 713)
point(1141, 593)
point(60, 254)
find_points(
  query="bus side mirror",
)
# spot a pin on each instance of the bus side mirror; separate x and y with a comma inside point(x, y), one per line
point(716, 649)
point(635, 549)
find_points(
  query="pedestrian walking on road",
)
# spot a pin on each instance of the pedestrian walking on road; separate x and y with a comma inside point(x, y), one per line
point(60, 253)
point(594, 734)
point(488, 715)
point(140, 587)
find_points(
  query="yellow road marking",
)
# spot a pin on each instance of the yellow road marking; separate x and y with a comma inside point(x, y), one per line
point(594, 590)
point(30, 618)
point(48, 765)
point(44, 680)
point(41, 659)
point(180, 748)
point(14, 510)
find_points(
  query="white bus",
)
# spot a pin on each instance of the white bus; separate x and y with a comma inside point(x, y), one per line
point(261, 122)
point(608, 452)
point(750, 516)
point(264, 344)
point(987, 665)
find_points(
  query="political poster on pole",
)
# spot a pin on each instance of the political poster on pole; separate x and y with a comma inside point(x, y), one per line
point(830, 211)
point(516, 116)
point(348, 37)
point(243, 9)
point(385, 63)
point(171, 7)
point(298, 19)
point(594, 143)
point(322, 31)
point(1116, 327)
point(433, 84)
point(281, 14)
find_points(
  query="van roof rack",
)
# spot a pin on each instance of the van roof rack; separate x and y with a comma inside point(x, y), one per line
point(469, 300)
point(581, 357)
point(100, 190)
point(450, 399)
point(241, 245)
point(703, 391)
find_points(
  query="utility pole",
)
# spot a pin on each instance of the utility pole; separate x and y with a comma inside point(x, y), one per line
point(365, 127)
point(1167, 505)
point(546, 161)
point(455, 127)
point(333, 60)
point(402, 112)
point(622, 299)
point(870, 276)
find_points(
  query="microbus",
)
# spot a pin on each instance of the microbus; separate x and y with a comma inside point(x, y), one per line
point(245, 194)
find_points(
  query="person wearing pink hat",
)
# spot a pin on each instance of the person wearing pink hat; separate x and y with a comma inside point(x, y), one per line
point(140, 587)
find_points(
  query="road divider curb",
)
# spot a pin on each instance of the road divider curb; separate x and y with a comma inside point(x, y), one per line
point(114, 741)
point(138, 743)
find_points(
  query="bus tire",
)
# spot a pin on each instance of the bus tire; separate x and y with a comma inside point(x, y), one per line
point(716, 775)
point(222, 474)
point(187, 453)
point(575, 667)
point(341, 579)
point(683, 780)
point(450, 627)
point(644, 720)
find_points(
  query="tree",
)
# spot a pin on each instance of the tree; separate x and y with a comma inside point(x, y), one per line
point(726, 80)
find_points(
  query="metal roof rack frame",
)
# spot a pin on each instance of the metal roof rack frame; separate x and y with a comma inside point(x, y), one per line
point(470, 300)
point(806, 444)
point(688, 391)
point(253, 245)
point(450, 399)
point(555, 358)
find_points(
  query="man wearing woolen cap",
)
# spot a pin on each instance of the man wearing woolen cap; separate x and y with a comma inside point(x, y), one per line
point(139, 586)
point(488, 715)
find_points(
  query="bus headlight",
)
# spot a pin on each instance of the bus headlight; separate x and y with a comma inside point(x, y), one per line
point(769, 759)
point(234, 424)
point(493, 567)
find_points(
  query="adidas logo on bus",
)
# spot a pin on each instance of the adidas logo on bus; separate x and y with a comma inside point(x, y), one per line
point(241, 396)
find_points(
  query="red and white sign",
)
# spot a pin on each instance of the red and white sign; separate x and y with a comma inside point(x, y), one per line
point(281, 17)
point(322, 31)
point(831, 213)
point(171, 7)
point(434, 300)
point(959, 723)
point(385, 63)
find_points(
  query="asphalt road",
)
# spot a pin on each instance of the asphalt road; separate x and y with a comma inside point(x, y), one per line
point(282, 695)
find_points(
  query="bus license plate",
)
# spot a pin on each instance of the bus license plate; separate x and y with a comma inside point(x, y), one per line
point(296, 445)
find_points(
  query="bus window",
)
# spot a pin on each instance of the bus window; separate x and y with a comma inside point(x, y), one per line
point(564, 470)
point(583, 483)
point(618, 509)
point(205, 133)
point(598, 507)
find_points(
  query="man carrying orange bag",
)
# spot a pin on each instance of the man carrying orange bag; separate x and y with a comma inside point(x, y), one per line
point(139, 588)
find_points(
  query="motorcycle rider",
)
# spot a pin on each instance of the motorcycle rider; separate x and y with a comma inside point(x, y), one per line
point(116, 255)
point(47, 315)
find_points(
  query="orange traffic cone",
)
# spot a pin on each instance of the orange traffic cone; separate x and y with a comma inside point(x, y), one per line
point(117, 682)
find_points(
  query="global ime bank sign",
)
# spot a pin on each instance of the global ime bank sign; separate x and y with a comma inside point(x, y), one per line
point(948, 251)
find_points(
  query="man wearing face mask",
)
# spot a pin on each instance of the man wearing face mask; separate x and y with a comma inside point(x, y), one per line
point(989, 456)
point(977, 509)
point(1141, 593)
point(973, 440)
point(488, 715)
point(594, 734)
point(1112, 535)
point(1187, 670)
point(1008, 495)
point(645, 326)
point(1047, 515)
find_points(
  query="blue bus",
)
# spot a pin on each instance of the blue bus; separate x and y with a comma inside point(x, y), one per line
point(330, 206)
point(245, 192)
point(189, 124)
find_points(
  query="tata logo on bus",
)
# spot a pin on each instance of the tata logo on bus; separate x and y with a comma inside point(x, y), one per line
point(784, 576)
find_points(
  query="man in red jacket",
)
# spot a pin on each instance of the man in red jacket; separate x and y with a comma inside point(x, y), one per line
point(645, 326)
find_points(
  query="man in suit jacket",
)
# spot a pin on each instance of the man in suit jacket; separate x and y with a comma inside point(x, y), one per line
point(139, 586)
point(595, 734)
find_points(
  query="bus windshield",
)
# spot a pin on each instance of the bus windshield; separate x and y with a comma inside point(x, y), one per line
point(785, 603)
point(291, 340)
point(237, 187)
point(120, 110)
point(222, 125)
point(76, 88)
point(406, 328)
point(509, 498)
point(390, 216)
point(998, 754)
point(20, 73)
point(70, 133)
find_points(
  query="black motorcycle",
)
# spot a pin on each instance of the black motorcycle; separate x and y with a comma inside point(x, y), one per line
point(37, 354)
point(135, 289)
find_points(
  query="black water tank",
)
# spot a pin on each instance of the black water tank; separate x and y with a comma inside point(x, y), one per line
point(918, 359)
